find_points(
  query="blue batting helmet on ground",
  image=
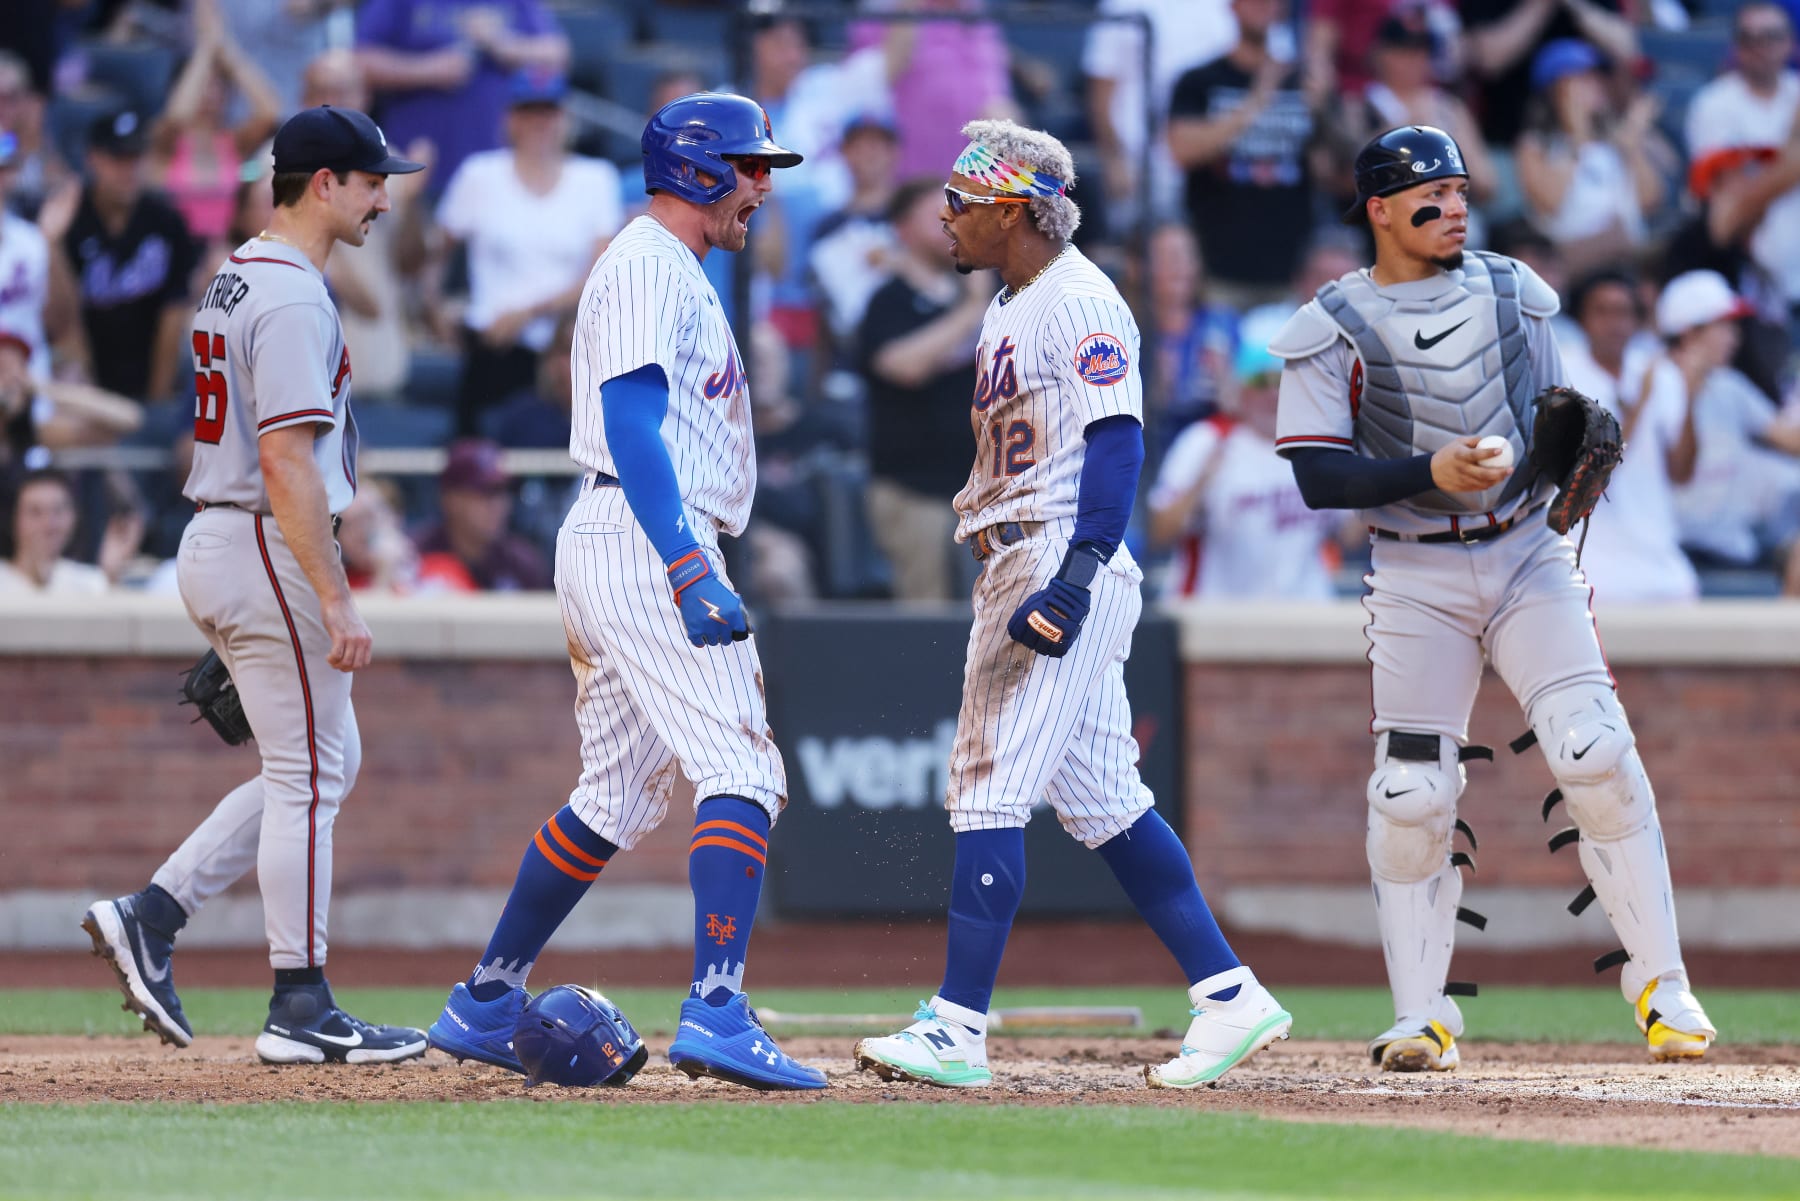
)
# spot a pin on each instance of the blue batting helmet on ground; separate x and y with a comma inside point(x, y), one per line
point(696, 133)
point(573, 1036)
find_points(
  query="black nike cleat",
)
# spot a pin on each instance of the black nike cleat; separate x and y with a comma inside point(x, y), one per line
point(306, 1026)
point(140, 958)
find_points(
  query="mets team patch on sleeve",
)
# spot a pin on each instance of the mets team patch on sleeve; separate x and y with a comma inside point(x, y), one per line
point(1101, 361)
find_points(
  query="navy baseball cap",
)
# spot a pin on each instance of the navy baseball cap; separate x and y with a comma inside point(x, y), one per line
point(124, 134)
point(336, 139)
point(538, 85)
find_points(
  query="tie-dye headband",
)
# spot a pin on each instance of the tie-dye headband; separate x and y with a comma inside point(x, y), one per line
point(984, 166)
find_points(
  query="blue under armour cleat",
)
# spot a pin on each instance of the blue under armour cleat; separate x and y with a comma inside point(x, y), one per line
point(140, 959)
point(727, 1042)
point(481, 1030)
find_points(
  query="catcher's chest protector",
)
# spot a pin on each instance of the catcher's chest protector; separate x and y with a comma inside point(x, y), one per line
point(1440, 368)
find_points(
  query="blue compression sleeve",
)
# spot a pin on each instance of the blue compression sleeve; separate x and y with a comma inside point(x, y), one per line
point(1337, 479)
point(632, 408)
point(1109, 480)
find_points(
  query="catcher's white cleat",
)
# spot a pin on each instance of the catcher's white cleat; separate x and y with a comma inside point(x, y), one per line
point(946, 1046)
point(1415, 1047)
point(1223, 1033)
point(1671, 1019)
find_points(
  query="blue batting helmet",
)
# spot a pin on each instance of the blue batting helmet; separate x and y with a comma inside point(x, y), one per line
point(695, 133)
point(573, 1036)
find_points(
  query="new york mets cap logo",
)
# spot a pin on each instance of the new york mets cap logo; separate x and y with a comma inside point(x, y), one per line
point(1101, 360)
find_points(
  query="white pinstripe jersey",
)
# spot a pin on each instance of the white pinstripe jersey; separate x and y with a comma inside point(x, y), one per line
point(1053, 360)
point(647, 301)
point(268, 353)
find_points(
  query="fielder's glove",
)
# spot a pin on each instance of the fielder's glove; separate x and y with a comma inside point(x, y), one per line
point(208, 687)
point(712, 613)
point(1575, 443)
point(1050, 619)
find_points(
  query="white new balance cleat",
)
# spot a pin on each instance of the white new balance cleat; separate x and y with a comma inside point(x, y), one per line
point(1223, 1033)
point(1671, 1019)
point(946, 1046)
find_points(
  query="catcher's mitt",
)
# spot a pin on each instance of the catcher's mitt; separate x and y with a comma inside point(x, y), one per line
point(208, 686)
point(1577, 444)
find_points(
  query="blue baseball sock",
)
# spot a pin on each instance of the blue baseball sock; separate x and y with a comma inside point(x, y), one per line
point(985, 889)
point(562, 860)
point(726, 861)
point(1156, 873)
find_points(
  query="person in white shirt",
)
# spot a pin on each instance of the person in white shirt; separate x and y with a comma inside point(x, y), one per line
point(42, 525)
point(1633, 554)
point(1751, 107)
point(535, 218)
point(1227, 503)
point(1184, 33)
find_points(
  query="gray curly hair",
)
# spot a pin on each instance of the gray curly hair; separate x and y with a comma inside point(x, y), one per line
point(1056, 217)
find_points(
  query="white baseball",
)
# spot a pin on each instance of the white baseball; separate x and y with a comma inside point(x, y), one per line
point(1491, 442)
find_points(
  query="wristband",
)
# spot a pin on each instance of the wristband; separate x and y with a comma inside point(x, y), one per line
point(1080, 564)
point(688, 568)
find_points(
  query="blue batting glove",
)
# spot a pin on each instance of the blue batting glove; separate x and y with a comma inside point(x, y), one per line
point(712, 612)
point(1050, 619)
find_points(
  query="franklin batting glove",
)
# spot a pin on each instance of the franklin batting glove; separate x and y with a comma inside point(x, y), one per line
point(712, 612)
point(1050, 619)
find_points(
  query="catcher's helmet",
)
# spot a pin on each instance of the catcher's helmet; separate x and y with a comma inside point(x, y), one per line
point(1400, 158)
point(695, 133)
point(573, 1036)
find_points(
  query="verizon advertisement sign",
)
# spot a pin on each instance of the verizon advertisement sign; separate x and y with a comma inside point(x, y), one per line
point(863, 702)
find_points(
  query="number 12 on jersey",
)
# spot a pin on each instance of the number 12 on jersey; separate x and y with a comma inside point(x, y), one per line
point(1013, 442)
point(209, 387)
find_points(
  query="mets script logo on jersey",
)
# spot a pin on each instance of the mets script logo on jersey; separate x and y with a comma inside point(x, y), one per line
point(728, 382)
point(999, 378)
point(1101, 361)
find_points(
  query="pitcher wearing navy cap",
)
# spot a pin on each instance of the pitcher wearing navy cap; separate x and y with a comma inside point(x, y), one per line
point(274, 462)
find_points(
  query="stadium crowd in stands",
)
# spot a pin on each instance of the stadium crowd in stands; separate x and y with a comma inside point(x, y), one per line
point(1643, 155)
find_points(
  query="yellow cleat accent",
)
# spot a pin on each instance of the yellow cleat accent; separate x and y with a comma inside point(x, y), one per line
point(1432, 1049)
point(1666, 1042)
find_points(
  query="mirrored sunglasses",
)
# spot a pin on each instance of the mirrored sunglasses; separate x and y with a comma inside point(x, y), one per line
point(959, 200)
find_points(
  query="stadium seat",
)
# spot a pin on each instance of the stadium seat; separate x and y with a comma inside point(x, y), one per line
point(597, 34)
point(1697, 53)
point(70, 117)
point(690, 26)
point(402, 425)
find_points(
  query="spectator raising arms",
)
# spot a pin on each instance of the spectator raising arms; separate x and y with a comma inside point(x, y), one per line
point(441, 67)
point(1240, 128)
point(918, 345)
point(132, 259)
point(1588, 179)
point(195, 156)
point(535, 217)
point(1632, 553)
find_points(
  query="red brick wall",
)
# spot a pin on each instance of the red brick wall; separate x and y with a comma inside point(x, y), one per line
point(1278, 758)
point(101, 774)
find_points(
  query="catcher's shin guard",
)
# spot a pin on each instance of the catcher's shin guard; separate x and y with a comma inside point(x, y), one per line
point(1412, 814)
point(1593, 755)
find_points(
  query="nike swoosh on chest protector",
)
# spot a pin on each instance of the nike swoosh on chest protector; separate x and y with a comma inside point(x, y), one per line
point(1424, 343)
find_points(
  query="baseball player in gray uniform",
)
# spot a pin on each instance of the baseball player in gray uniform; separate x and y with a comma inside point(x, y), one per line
point(1394, 377)
point(274, 463)
point(667, 675)
point(1058, 421)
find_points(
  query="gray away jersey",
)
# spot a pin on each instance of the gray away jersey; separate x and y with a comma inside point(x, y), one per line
point(648, 302)
point(1059, 356)
point(268, 353)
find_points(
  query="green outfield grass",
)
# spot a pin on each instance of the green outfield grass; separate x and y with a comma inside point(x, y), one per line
point(1596, 1014)
point(341, 1152)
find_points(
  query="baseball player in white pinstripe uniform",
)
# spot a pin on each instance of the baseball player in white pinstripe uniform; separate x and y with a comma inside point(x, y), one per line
point(666, 676)
point(274, 462)
point(1057, 416)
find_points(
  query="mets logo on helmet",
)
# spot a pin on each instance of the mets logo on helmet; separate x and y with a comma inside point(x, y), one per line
point(1101, 361)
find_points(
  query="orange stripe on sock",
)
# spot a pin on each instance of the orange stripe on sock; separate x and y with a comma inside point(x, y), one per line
point(744, 831)
point(562, 840)
point(562, 865)
point(729, 844)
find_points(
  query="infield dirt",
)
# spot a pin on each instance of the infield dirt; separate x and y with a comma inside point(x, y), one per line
point(1742, 1099)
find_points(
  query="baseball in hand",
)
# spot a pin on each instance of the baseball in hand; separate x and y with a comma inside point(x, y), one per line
point(1491, 442)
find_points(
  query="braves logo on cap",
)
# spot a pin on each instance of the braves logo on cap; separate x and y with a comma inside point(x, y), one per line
point(1101, 360)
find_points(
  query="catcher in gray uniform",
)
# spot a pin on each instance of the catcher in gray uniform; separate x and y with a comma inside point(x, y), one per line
point(1391, 377)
